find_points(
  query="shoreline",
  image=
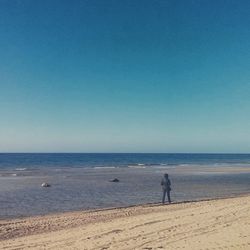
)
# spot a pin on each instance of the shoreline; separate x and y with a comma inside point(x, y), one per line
point(152, 223)
point(150, 204)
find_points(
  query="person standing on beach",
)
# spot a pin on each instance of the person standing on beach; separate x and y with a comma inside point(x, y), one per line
point(166, 188)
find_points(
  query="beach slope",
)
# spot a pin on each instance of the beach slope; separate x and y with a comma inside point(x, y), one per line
point(214, 224)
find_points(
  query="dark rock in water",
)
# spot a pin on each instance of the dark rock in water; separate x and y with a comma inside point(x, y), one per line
point(115, 180)
point(45, 184)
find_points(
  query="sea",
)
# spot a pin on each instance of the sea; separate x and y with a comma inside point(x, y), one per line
point(83, 181)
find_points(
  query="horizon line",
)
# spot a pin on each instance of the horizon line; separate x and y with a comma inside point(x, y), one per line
point(121, 153)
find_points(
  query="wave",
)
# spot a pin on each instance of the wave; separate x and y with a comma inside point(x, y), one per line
point(8, 175)
point(136, 166)
point(105, 167)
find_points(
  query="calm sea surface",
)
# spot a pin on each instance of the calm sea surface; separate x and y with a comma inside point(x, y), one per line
point(82, 181)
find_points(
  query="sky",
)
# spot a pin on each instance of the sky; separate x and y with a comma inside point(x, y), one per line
point(125, 76)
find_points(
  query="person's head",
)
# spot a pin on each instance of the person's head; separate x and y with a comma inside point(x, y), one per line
point(166, 176)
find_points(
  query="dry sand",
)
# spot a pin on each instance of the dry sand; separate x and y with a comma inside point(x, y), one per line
point(214, 224)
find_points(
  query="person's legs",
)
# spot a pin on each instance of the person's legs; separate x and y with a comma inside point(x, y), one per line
point(168, 193)
point(163, 197)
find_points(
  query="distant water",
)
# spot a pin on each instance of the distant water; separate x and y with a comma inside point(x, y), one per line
point(81, 181)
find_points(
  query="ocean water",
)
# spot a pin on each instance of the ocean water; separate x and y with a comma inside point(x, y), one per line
point(82, 181)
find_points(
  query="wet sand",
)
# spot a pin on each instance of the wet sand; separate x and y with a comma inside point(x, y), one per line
point(212, 224)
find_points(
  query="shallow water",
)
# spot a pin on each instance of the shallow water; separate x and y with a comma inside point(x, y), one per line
point(86, 184)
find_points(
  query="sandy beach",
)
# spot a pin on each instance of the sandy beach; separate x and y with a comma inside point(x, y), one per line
point(212, 224)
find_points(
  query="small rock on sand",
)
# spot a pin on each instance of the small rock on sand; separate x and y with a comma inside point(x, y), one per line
point(45, 184)
point(115, 180)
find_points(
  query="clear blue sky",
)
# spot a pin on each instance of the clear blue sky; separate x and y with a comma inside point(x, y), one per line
point(124, 76)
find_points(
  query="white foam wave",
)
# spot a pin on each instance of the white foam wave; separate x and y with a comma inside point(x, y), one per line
point(104, 167)
point(136, 166)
